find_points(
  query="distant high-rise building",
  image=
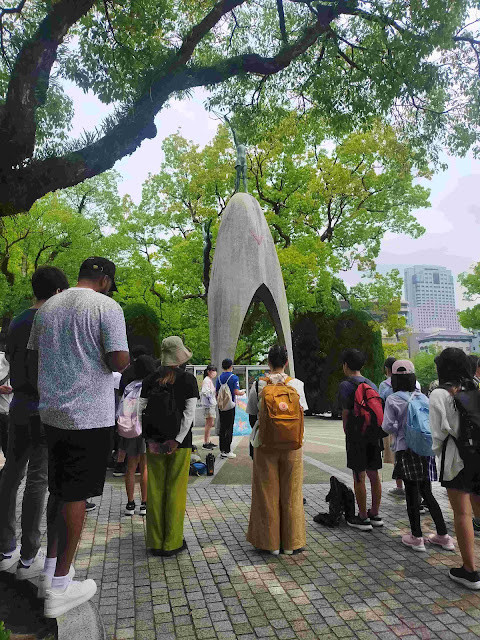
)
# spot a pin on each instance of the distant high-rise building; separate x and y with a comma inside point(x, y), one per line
point(430, 293)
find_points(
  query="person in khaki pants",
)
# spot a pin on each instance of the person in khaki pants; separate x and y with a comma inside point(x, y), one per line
point(277, 518)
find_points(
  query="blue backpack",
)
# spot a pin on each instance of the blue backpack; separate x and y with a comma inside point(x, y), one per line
point(418, 436)
point(198, 469)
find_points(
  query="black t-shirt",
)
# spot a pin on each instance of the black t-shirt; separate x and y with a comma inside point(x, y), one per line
point(16, 351)
point(184, 387)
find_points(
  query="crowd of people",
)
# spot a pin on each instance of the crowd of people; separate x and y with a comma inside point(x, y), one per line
point(451, 420)
point(63, 412)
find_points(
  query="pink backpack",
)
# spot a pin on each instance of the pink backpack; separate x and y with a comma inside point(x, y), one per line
point(128, 420)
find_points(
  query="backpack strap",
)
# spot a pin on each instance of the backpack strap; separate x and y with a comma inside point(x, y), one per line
point(5, 379)
point(444, 451)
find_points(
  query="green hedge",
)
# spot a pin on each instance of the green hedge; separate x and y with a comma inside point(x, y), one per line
point(318, 342)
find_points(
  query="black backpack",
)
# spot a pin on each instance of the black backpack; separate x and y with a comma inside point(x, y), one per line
point(467, 403)
point(161, 417)
point(341, 501)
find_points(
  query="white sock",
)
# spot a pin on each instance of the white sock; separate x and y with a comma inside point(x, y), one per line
point(61, 582)
point(49, 567)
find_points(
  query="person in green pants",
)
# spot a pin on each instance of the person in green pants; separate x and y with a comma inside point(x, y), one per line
point(168, 400)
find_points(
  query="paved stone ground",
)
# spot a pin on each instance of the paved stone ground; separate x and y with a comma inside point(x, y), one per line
point(346, 584)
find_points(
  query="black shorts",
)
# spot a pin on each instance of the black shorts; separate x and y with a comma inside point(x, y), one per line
point(364, 456)
point(464, 483)
point(77, 461)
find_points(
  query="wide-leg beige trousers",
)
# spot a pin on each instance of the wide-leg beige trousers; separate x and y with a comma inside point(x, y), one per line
point(277, 518)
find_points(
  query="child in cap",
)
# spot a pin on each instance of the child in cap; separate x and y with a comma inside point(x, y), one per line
point(417, 472)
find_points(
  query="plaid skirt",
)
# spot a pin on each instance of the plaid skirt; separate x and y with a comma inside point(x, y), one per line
point(410, 466)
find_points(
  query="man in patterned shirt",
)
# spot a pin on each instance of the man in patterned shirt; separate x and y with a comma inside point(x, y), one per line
point(80, 338)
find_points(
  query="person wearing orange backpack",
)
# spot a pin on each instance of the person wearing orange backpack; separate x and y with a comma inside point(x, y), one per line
point(277, 519)
point(363, 436)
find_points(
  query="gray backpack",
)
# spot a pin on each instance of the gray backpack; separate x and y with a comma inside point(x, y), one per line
point(224, 396)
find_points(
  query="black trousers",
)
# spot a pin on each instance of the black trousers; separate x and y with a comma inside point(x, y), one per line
point(227, 418)
point(413, 491)
point(4, 420)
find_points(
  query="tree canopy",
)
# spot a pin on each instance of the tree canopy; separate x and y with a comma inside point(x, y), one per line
point(328, 204)
point(425, 368)
point(415, 63)
point(470, 318)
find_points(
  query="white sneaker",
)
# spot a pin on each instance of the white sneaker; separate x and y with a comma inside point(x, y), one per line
point(228, 455)
point(59, 602)
point(10, 564)
point(45, 582)
point(34, 570)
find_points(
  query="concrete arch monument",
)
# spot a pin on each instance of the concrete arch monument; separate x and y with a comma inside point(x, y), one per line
point(245, 267)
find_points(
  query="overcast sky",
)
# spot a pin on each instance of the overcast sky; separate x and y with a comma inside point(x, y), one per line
point(452, 223)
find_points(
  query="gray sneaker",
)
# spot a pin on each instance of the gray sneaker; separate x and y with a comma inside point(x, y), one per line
point(359, 523)
point(399, 492)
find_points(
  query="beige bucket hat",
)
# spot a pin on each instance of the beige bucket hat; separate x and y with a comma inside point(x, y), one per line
point(174, 352)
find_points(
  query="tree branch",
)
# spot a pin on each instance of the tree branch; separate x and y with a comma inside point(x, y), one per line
point(200, 30)
point(9, 10)
point(281, 20)
point(125, 137)
point(195, 296)
point(286, 239)
point(29, 81)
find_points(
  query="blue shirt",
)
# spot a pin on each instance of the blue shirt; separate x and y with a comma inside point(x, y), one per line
point(385, 389)
point(233, 382)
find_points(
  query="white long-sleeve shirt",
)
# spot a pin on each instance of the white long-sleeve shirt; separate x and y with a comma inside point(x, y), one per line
point(444, 420)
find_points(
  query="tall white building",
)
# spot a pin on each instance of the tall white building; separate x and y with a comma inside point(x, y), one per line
point(430, 293)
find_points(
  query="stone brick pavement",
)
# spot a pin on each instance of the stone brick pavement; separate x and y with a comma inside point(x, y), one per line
point(346, 584)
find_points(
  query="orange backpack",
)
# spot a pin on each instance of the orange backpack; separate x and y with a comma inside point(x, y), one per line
point(281, 417)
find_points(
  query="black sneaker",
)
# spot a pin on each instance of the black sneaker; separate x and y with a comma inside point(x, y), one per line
point(356, 522)
point(476, 525)
point(90, 506)
point(130, 508)
point(469, 579)
point(143, 509)
point(376, 521)
point(120, 469)
point(209, 445)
